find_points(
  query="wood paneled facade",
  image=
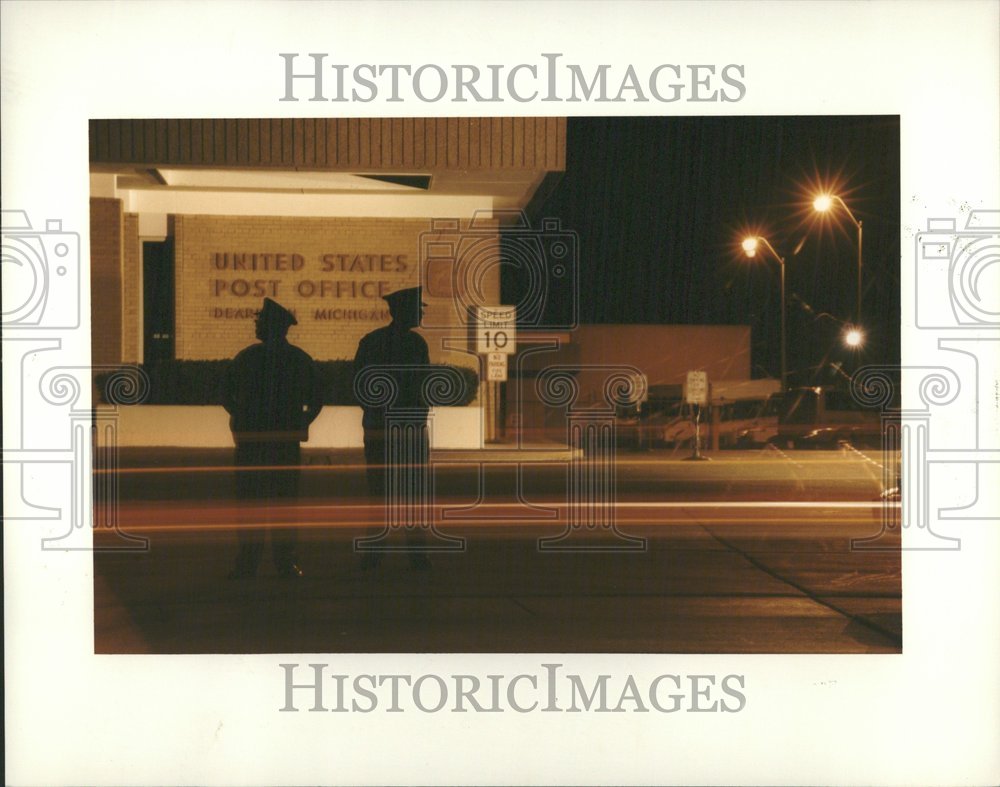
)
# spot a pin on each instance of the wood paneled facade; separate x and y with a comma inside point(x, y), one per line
point(333, 144)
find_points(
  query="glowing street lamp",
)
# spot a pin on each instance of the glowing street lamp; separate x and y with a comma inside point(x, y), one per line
point(854, 337)
point(824, 203)
point(750, 246)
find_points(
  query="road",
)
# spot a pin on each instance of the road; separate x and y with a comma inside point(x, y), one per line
point(752, 552)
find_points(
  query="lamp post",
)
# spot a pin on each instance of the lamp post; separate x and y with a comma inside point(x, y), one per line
point(822, 204)
point(750, 247)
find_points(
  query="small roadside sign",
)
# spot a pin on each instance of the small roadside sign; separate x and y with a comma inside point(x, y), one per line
point(696, 388)
point(496, 329)
point(496, 367)
point(696, 392)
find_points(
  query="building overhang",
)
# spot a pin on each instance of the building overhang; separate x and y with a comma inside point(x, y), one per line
point(410, 168)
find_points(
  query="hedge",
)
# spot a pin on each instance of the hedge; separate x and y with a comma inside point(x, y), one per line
point(202, 382)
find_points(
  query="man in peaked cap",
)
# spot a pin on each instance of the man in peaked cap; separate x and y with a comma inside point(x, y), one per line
point(274, 314)
point(397, 428)
point(272, 394)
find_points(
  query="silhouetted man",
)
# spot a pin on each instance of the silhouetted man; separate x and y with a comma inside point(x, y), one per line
point(272, 395)
point(396, 442)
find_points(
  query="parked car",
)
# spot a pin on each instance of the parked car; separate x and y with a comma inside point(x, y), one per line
point(824, 417)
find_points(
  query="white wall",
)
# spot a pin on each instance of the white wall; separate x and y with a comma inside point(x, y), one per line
point(336, 427)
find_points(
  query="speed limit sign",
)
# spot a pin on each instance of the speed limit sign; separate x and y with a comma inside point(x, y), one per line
point(496, 329)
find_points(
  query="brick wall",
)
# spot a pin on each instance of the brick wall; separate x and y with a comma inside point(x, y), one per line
point(131, 289)
point(329, 271)
point(106, 230)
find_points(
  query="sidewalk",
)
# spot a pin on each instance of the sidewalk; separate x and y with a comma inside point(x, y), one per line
point(192, 457)
point(166, 456)
point(697, 588)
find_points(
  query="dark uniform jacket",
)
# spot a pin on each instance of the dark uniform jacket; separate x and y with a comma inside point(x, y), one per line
point(272, 393)
point(406, 350)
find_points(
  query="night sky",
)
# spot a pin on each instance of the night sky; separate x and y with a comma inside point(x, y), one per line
point(661, 205)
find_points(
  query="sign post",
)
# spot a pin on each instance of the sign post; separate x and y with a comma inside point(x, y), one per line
point(496, 338)
point(696, 394)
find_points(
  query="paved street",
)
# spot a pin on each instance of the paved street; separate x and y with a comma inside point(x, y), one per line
point(750, 552)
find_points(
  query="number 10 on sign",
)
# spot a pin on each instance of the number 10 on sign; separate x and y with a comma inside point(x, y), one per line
point(496, 341)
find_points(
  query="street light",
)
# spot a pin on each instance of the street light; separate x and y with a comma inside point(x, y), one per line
point(822, 204)
point(750, 247)
point(853, 335)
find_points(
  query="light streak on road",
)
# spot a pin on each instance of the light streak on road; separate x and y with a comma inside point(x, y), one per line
point(143, 519)
point(769, 460)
